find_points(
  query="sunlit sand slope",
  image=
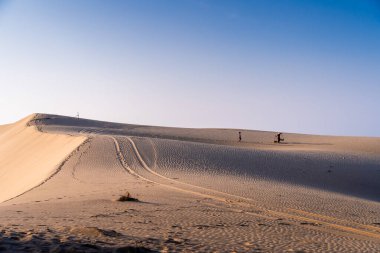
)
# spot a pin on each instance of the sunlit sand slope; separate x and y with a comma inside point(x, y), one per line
point(28, 157)
point(199, 190)
point(346, 165)
point(242, 168)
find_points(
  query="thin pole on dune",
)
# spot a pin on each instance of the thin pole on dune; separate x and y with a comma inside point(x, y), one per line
point(77, 115)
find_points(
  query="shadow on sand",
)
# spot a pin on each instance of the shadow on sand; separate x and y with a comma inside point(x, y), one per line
point(20, 242)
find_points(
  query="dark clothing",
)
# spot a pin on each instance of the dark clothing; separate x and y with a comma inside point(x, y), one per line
point(279, 138)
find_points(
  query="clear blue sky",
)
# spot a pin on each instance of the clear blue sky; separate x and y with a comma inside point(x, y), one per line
point(295, 66)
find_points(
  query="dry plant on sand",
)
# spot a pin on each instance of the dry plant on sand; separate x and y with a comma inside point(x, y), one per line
point(126, 197)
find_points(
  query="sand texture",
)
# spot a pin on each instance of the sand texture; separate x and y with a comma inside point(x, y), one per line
point(28, 157)
point(194, 190)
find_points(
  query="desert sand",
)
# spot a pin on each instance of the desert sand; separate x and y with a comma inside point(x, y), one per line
point(195, 190)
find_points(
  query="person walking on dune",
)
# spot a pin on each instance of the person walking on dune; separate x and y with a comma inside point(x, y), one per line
point(279, 139)
point(239, 136)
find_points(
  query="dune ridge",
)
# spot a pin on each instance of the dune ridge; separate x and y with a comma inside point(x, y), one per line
point(197, 189)
point(28, 156)
point(346, 165)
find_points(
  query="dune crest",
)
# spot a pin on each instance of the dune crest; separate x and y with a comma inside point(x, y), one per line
point(198, 190)
point(28, 157)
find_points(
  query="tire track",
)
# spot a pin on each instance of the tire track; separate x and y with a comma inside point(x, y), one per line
point(132, 172)
point(317, 222)
point(320, 216)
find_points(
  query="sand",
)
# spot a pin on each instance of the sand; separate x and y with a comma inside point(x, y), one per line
point(199, 190)
point(29, 157)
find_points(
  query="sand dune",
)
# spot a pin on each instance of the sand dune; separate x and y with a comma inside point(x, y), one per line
point(29, 157)
point(348, 174)
point(199, 189)
point(347, 165)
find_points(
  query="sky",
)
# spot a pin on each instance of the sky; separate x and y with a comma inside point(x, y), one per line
point(291, 66)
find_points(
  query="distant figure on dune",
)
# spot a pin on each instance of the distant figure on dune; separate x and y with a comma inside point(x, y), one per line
point(279, 139)
point(239, 136)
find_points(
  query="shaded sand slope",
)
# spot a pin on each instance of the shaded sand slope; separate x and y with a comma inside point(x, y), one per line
point(199, 190)
point(352, 175)
point(365, 146)
point(28, 157)
point(347, 165)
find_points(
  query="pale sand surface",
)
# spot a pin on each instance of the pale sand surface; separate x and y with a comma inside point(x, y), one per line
point(199, 189)
point(27, 157)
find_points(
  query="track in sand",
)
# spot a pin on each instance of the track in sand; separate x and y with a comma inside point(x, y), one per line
point(315, 221)
point(200, 190)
